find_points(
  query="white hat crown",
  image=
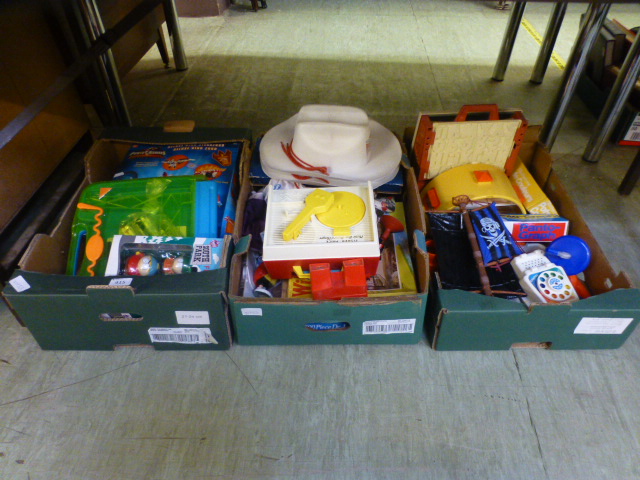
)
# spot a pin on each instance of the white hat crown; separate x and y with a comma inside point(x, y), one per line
point(330, 145)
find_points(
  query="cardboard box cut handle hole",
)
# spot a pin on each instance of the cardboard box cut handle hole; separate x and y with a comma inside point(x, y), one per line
point(115, 292)
point(179, 126)
point(545, 345)
point(120, 317)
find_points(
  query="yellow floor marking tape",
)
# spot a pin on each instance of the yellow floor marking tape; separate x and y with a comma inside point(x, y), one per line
point(557, 59)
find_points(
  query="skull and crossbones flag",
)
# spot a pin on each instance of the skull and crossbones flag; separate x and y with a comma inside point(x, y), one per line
point(496, 243)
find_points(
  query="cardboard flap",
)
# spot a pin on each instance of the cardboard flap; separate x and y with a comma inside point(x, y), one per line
point(235, 270)
point(414, 210)
point(421, 260)
point(242, 246)
point(45, 254)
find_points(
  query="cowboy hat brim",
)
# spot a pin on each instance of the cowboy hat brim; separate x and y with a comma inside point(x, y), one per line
point(383, 162)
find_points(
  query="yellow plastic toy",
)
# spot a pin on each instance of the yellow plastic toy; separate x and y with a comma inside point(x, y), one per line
point(481, 182)
point(338, 210)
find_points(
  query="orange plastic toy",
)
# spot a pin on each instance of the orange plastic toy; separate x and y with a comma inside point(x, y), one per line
point(328, 285)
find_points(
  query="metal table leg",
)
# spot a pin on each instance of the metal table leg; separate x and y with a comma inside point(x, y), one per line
point(549, 41)
point(596, 13)
point(631, 177)
point(614, 106)
point(173, 26)
point(108, 64)
point(508, 40)
point(162, 48)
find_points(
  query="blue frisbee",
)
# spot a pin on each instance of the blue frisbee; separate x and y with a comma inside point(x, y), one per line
point(571, 253)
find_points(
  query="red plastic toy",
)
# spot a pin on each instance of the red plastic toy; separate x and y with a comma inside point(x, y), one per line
point(328, 285)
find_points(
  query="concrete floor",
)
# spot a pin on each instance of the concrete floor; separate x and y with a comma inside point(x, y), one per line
point(343, 412)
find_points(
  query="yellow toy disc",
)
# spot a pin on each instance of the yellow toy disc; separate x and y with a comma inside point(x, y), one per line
point(348, 209)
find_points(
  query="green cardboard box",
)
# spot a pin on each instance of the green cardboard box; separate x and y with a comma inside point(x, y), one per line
point(293, 321)
point(461, 320)
point(176, 312)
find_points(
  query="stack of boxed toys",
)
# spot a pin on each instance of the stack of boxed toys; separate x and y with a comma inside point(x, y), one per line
point(166, 212)
point(141, 256)
point(330, 219)
point(497, 244)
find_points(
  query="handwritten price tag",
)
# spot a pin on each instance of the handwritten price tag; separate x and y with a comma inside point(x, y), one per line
point(186, 317)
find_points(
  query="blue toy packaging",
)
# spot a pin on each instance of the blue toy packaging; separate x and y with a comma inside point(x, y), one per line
point(217, 161)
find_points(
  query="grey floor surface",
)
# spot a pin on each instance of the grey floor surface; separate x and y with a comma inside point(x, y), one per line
point(343, 412)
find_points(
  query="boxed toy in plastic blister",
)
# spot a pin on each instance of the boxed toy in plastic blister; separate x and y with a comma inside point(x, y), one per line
point(213, 160)
point(217, 161)
point(180, 206)
point(140, 255)
point(169, 293)
point(534, 278)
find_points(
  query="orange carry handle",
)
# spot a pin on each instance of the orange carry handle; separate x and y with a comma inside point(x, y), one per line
point(490, 108)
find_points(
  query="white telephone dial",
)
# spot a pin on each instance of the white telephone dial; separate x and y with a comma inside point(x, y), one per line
point(542, 280)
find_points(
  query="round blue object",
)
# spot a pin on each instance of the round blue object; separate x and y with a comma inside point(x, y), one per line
point(571, 253)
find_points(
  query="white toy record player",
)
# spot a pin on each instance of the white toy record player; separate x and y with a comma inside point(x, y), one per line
point(320, 225)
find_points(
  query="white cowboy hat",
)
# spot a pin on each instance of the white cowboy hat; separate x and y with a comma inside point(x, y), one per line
point(331, 145)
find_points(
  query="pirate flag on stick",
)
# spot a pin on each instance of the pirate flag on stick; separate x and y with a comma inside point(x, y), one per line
point(461, 201)
point(494, 240)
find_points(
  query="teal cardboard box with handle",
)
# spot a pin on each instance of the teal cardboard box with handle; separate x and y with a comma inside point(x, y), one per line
point(188, 311)
point(463, 320)
point(395, 319)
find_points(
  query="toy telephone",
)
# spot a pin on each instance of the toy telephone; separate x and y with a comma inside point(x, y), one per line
point(542, 280)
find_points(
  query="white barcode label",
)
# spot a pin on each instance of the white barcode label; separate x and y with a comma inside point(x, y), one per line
point(633, 134)
point(181, 335)
point(633, 137)
point(383, 327)
point(602, 325)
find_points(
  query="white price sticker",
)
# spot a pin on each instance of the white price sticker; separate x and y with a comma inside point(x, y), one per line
point(19, 284)
point(186, 317)
point(602, 325)
point(252, 312)
point(385, 327)
point(121, 282)
point(181, 335)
